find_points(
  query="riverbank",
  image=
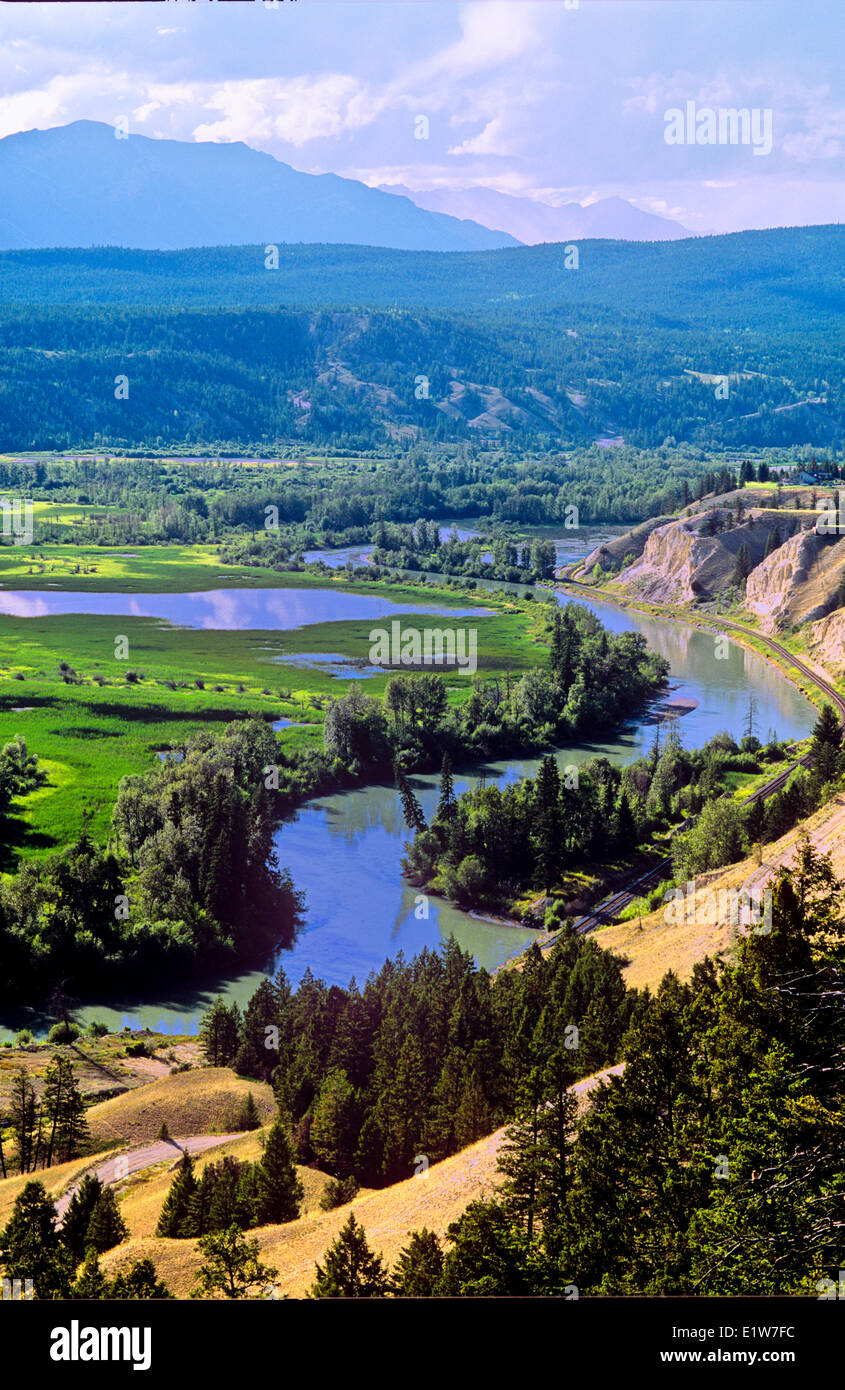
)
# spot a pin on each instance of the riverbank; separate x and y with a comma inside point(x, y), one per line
point(360, 830)
point(800, 673)
point(828, 819)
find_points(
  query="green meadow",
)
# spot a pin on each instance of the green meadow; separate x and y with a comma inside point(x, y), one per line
point(92, 717)
point(137, 569)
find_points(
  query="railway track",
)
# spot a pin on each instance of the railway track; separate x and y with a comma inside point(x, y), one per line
point(837, 700)
point(610, 907)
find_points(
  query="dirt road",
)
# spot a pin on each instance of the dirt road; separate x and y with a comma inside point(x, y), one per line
point(145, 1156)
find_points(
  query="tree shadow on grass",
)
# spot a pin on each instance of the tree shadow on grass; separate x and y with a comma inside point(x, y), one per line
point(163, 714)
point(16, 835)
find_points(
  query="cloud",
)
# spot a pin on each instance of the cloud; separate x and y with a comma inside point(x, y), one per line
point(493, 33)
point(809, 123)
point(294, 111)
point(98, 95)
point(491, 140)
point(524, 97)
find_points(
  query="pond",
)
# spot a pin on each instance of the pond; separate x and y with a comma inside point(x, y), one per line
point(228, 610)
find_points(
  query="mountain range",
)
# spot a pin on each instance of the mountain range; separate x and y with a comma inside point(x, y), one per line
point(532, 222)
point(83, 185)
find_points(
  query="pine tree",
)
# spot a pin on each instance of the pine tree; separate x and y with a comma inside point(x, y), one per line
point(520, 1158)
point(106, 1227)
point(566, 653)
point(743, 566)
point(827, 729)
point(626, 826)
point(198, 1220)
point(556, 651)
point(557, 1142)
point(419, 1268)
point(24, 1119)
point(30, 1247)
point(176, 1216)
point(246, 1197)
point(249, 1117)
point(447, 804)
point(411, 808)
point(90, 1282)
point(489, 1256)
point(212, 1033)
point(226, 1208)
point(255, 1057)
point(279, 1191)
point(64, 1109)
point(220, 1033)
point(78, 1215)
point(369, 1152)
point(547, 826)
point(826, 746)
point(350, 1269)
point(772, 542)
point(140, 1280)
point(333, 1124)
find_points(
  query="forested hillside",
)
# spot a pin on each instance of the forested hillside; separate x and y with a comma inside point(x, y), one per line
point(520, 345)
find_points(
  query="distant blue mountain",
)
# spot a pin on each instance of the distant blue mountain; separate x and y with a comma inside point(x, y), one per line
point(79, 185)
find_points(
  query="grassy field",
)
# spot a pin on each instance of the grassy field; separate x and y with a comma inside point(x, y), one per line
point(204, 1100)
point(159, 569)
point(102, 1066)
point(90, 734)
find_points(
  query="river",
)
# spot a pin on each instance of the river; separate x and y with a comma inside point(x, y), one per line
point(344, 850)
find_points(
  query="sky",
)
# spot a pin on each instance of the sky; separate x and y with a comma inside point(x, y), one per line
point(558, 100)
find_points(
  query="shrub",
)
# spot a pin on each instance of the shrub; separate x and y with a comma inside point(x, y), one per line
point(337, 1192)
point(248, 1116)
point(97, 1030)
point(63, 1033)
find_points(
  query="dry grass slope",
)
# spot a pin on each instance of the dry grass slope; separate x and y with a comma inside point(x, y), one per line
point(203, 1101)
point(659, 946)
point(387, 1216)
point(141, 1196)
point(55, 1180)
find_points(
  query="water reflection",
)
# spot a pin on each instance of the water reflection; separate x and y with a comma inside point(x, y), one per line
point(228, 610)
